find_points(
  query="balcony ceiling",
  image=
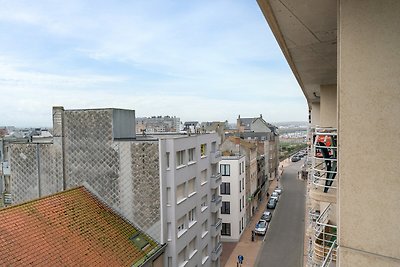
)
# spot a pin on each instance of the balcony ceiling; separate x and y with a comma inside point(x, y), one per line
point(306, 31)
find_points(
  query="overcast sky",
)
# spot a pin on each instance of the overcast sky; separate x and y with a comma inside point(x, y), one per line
point(197, 60)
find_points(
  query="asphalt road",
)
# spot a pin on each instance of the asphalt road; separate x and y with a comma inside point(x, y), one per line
point(284, 241)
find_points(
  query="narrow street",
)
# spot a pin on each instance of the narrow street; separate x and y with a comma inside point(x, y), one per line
point(284, 241)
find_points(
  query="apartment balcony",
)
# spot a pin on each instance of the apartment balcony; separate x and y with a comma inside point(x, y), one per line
point(215, 157)
point(215, 180)
point(216, 253)
point(324, 178)
point(216, 203)
point(323, 248)
point(216, 228)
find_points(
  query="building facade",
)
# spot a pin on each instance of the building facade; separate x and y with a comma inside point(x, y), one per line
point(235, 146)
point(190, 199)
point(233, 192)
point(100, 147)
point(343, 54)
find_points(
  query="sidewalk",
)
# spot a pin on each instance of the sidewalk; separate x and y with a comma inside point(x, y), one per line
point(245, 246)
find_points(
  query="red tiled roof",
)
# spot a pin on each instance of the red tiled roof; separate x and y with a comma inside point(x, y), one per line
point(71, 228)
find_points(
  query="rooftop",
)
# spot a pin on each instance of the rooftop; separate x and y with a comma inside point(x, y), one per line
point(71, 228)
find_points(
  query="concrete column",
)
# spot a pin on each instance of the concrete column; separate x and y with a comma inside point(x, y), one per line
point(328, 111)
point(315, 114)
point(369, 127)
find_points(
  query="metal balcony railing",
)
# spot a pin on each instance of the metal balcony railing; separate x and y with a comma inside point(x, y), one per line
point(324, 239)
point(330, 256)
point(216, 253)
point(324, 160)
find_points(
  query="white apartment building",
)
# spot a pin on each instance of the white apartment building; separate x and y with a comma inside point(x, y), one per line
point(190, 200)
point(233, 192)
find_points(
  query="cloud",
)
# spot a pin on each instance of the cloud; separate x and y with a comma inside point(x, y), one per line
point(197, 60)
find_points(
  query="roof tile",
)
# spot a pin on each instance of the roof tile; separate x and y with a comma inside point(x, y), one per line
point(71, 228)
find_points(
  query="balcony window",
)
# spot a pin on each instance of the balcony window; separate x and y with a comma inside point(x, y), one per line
point(192, 217)
point(226, 229)
point(226, 207)
point(225, 169)
point(225, 188)
point(203, 150)
point(180, 193)
point(181, 226)
point(203, 176)
point(180, 158)
point(191, 153)
point(204, 254)
point(192, 186)
point(204, 228)
point(192, 248)
point(182, 257)
point(204, 204)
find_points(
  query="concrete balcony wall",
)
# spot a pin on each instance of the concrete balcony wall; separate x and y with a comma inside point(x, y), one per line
point(216, 204)
point(369, 97)
point(216, 228)
point(215, 157)
point(216, 253)
point(215, 180)
point(328, 111)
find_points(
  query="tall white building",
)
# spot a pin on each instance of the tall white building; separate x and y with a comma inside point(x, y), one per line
point(233, 192)
point(190, 200)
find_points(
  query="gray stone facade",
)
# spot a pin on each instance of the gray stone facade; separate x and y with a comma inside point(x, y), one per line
point(124, 172)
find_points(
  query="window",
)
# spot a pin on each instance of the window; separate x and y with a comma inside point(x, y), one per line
point(240, 186)
point(192, 248)
point(191, 153)
point(226, 207)
point(203, 176)
point(180, 226)
point(204, 229)
point(169, 231)
point(242, 167)
point(167, 159)
point(242, 224)
point(180, 193)
point(225, 169)
point(168, 195)
point(204, 254)
point(240, 204)
point(225, 188)
point(192, 186)
point(242, 183)
point(203, 150)
point(180, 158)
point(204, 203)
point(182, 257)
point(192, 217)
point(226, 229)
point(242, 201)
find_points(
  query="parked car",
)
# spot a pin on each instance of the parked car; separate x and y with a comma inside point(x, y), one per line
point(267, 215)
point(261, 227)
point(271, 203)
point(295, 159)
point(275, 195)
point(278, 190)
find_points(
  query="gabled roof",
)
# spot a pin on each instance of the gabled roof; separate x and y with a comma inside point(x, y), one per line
point(71, 228)
point(246, 122)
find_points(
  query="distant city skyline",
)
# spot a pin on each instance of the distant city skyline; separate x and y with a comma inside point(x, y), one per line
point(205, 61)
